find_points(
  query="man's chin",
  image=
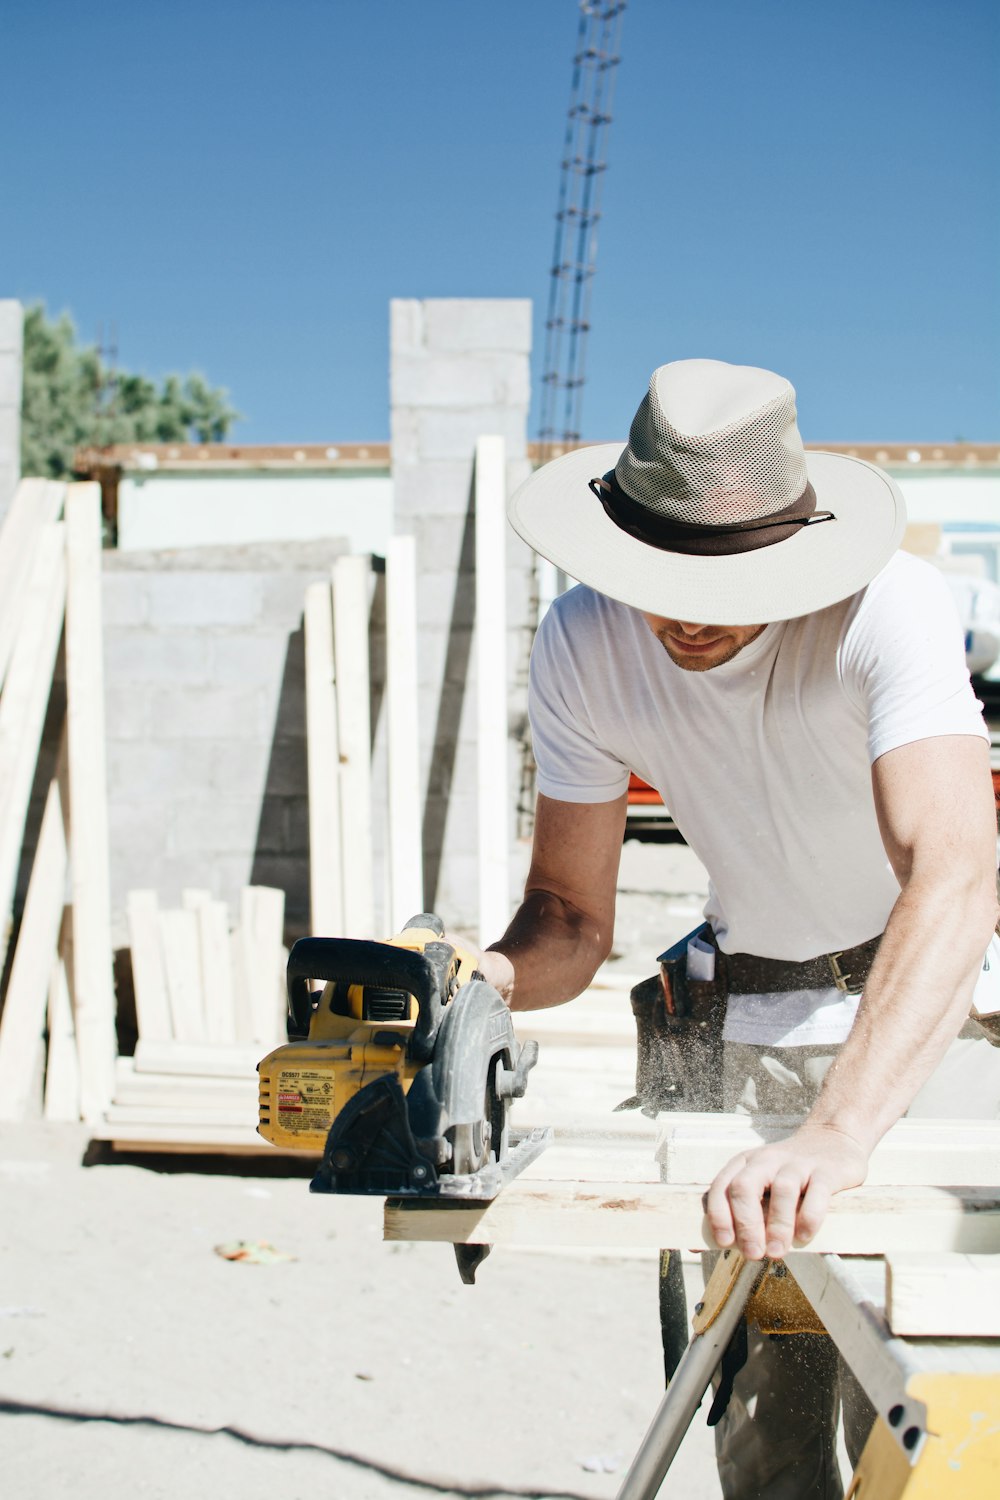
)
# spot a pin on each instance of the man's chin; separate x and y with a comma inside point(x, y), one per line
point(702, 661)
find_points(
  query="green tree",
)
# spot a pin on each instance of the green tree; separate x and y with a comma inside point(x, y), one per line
point(70, 400)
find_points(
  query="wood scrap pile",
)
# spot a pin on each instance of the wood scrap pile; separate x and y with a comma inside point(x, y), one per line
point(58, 1016)
point(210, 1002)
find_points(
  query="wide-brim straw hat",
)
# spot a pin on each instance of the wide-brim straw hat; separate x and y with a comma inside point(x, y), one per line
point(713, 512)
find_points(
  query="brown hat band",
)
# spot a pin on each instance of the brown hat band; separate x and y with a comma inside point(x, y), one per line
point(705, 541)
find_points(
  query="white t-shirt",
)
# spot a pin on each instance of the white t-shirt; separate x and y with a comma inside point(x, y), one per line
point(764, 761)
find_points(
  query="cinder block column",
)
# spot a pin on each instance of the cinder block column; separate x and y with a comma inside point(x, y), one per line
point(459, 369)
point(11, 351)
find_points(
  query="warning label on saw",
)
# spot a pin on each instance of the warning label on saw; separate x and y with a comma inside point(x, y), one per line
point(305, 1099)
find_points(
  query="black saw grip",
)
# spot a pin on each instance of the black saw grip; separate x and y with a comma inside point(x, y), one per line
point(380, 965)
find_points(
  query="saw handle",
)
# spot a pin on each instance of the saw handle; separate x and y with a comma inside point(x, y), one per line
point(357, 961)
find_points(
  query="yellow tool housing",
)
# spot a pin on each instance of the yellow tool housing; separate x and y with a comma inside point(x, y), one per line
point(306, 1083)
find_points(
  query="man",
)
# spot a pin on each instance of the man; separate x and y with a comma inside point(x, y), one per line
point(750, 642)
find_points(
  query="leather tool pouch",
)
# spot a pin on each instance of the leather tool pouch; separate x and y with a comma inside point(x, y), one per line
point(679, 1024)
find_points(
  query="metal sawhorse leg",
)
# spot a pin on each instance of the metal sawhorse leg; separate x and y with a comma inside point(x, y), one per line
point(937, 1431)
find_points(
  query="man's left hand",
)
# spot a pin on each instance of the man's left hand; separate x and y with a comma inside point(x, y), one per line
point(768, 1199)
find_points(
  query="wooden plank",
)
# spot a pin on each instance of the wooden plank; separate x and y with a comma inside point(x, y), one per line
point(242, 1002)
point(492, 736)
point(216, 971)
point(23, 704)
point(406, 874)
point(262, 917)
point(943, 1296)
point(93, 982)
point(182, 969)
point(193, 897)
point(587, 1022)
point(203, 1059)
point(219, 1137)
point(149, 980)
point(185, 1140)
point(183, 1090)
point(864, 1221)
point(203, 1115)
point(22, 1022)
point(62, 1071)
point(350, 644)
point(36, 504)
point(326, 899)
point(693, 1148)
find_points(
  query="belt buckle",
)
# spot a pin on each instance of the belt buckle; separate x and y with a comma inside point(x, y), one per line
point(844, 982)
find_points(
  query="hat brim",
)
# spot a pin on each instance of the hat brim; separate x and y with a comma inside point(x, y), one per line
point(558, 516)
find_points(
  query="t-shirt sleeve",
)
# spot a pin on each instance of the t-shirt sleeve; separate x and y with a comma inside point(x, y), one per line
point(572, 764)
point(903, 657)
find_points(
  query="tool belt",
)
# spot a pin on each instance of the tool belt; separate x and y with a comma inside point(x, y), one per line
point(679, 1019)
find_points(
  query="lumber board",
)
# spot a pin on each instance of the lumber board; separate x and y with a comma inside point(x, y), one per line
point(169, 1089)
point(23, 704)
point(243, 1017)
point(579, 1158)
point(406, 876)
point(149, 980)
point(192, 897)
point(262, 920)
point(350, 647)
point(863, 1221)
point(942, 1296)
point(93, 982)
point(216, 971)
point(182, 970)
point(203, 1115)
point(62, 1071)
point(592, 1021)
point(22, 1021)
point(184, 1142)
point(492, 775)
point(204, 1059)
point(36, 504)
point(187, 1137)
point(326, 898)
point(693, 1148)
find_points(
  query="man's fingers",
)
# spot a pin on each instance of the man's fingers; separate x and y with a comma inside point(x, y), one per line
point(746, 1194)
point(813, 1208)
point(786, 1190)
point(717, 1209)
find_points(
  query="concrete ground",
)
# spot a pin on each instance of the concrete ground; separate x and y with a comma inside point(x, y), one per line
point(135, 1361)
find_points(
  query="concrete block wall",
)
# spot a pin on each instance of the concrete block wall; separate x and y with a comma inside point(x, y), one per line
point(459, 370)
point(205, 702)
point(11, 351)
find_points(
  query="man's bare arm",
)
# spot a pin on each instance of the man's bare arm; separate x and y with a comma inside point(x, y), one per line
point(561, 933)
point(936, 812)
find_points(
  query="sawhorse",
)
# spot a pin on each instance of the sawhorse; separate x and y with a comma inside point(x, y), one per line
point(937, 1430)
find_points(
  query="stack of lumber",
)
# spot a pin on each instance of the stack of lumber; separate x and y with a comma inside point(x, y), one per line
point(58, 1006)
point(210, 1002)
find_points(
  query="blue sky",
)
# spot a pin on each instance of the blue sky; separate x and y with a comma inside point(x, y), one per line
point(240, 187)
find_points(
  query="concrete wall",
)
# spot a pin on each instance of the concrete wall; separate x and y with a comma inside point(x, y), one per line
point(11, 348)
point(459, 369)
point(205, 697)
point(170, 509)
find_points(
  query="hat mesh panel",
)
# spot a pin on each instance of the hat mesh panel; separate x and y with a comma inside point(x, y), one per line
point(749, 469)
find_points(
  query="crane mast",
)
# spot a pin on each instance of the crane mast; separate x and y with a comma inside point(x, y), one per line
point(578, 215)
